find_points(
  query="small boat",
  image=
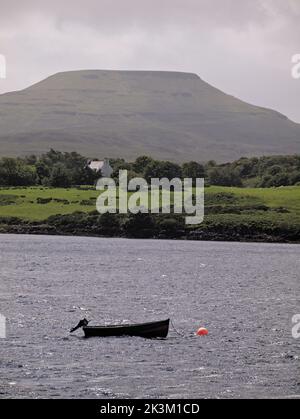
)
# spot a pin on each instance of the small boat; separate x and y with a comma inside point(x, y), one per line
point(151, 330)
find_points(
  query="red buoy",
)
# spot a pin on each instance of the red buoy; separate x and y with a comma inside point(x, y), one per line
point(202, 332)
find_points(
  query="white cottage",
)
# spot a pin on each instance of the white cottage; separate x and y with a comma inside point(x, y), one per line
point(101, 166)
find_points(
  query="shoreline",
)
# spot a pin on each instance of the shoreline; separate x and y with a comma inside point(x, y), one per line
point(46, 230)
point(231, 215)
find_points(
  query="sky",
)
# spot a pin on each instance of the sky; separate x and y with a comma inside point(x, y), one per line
point(244, 48)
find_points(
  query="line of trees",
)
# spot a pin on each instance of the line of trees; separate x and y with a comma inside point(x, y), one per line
point(57, 169)
point(264, 172)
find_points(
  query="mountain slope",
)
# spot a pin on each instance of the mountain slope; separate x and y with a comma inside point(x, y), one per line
point(174, 116)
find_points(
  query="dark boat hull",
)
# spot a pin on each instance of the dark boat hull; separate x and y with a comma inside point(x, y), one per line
point(146, 330)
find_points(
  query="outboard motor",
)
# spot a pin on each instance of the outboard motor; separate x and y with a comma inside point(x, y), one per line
point(82, 323)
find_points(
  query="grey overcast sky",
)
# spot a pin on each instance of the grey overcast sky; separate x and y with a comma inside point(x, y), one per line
point(243, 47)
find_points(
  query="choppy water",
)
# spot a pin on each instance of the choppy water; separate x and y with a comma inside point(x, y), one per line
point(245, 294)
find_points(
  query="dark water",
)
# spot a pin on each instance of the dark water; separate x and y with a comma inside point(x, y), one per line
point(245, 294)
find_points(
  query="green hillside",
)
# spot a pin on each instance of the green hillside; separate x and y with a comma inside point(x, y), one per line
point(168, 115)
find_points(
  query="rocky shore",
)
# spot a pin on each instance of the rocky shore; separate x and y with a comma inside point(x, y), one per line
point(151, 227)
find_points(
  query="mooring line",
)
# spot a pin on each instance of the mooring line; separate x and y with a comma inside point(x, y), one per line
point(178, 333)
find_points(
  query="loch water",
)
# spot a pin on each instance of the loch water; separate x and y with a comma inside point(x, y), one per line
point(245, 294)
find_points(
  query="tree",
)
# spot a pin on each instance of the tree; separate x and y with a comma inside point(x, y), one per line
point(162, 169)
point(246, 168)
point(141, 163)
point(275, 170)
point(295, 177)
point(119, 164)
point(193, 170)
point(281, 179)
point(224, 176)
point(31, 160)
point(43, 172)
point(59, 177)
point(14, 172)
point(210, 164)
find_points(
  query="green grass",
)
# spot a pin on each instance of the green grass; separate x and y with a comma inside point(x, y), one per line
point(274, 198)
point(26, 206)
point(23, 203)
point(287, 197)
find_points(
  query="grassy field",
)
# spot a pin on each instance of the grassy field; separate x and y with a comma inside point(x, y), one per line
point(287, 197)
point(282, 205)
point(37, 204)
point(27, 203)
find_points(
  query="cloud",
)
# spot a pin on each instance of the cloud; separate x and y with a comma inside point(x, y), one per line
point(242, 47)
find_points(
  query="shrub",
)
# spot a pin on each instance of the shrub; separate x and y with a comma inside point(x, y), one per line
point(43, 201)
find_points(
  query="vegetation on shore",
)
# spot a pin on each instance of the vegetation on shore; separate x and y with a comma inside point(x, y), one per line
point(231, 213)
point(56, 169)
point(254, 199)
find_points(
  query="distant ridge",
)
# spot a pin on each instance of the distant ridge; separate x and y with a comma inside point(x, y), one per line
point(167, 115)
